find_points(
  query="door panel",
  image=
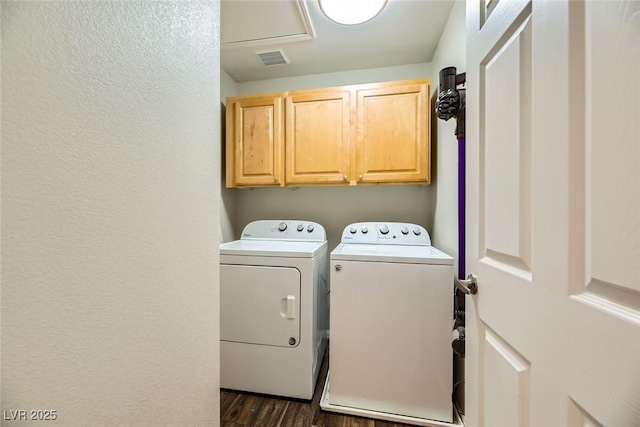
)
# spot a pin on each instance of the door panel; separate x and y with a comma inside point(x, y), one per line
point(392, 134)
point(260, 305)
point(606, 177)
point(506, 151)
point(579, 418)
point(486, 8)
point(318, 137)
point(257, 143)
point(553, 101)
point(507, 390)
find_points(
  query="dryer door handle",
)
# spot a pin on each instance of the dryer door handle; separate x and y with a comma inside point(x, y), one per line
point(291, 306)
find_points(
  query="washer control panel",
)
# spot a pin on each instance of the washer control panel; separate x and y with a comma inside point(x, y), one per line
point(386, 233)
point(307, 231)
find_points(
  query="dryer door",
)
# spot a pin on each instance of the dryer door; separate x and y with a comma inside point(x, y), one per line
point(260, 305)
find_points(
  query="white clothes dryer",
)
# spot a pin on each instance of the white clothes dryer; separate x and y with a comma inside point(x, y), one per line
point(274, 308)
point(391, 319)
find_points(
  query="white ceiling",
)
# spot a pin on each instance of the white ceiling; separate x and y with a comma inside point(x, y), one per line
point(405, 32)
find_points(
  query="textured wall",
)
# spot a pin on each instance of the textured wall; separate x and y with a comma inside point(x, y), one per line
point(110, 211)
point(228, 226)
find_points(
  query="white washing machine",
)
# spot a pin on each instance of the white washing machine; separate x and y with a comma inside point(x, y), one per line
point(274, 308)
point(391, 318)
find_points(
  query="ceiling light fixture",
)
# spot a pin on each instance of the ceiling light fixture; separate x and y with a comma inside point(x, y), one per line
point(351, 12)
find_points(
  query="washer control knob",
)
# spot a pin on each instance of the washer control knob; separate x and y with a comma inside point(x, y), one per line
point(417, 231)
point(300, 227)
point(364, 229)
point(384, 229)
point(282, 226)
point(404, 230)
point(310, 228)
point(353, 230)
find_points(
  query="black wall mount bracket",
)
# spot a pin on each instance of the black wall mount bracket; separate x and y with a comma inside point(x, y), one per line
point(451, 99)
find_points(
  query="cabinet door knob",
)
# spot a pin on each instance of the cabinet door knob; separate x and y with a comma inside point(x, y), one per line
point(275, 179)
point(345, 177)
point(360, 178)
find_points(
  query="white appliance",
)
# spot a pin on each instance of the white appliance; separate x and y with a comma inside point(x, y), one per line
point(391, 318)
point(274, 308)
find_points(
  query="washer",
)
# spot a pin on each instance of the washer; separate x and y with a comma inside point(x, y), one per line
point(273, 308)
point(391, 319)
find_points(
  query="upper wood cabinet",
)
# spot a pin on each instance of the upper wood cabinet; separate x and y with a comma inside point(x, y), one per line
point(317, 139)
point(254, 150)
point(361, 134)
point(393, 133)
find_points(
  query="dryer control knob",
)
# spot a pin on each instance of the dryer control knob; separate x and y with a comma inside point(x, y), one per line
point(310, 228)
point(282, 226)
point(404, 230)
point(417, 231)
point(364, 229)
point(353, 230)
point(300, 227)
point(384, 229)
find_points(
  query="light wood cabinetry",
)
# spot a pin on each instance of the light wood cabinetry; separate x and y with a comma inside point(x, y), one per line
point(351, 135)
point(317, 139)
point(255, 149)
point(393, 134)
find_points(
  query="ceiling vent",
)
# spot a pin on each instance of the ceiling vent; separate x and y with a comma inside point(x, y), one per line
point(273, 57)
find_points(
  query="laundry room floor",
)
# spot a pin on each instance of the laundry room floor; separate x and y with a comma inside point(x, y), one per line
point(239, 409)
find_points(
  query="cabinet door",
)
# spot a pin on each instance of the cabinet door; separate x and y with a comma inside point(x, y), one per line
point(254, 141)
point(318, 137)
point(393, 134)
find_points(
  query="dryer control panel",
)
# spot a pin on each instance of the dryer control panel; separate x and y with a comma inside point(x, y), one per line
point(307, 231)
point(386, 233)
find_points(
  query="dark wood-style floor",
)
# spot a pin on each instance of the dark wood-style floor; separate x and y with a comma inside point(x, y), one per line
point(239, 409)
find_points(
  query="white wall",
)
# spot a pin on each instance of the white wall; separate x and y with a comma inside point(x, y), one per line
point(311, 81)
point(336, 207)
point(110, 212)
point(228, 87)
point(451, 52)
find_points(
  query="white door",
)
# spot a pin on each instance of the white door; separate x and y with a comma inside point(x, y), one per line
point(260, 305)
point(553, 143)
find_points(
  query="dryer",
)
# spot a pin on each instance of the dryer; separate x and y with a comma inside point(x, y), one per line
point(274, 308)
point(391, 318)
